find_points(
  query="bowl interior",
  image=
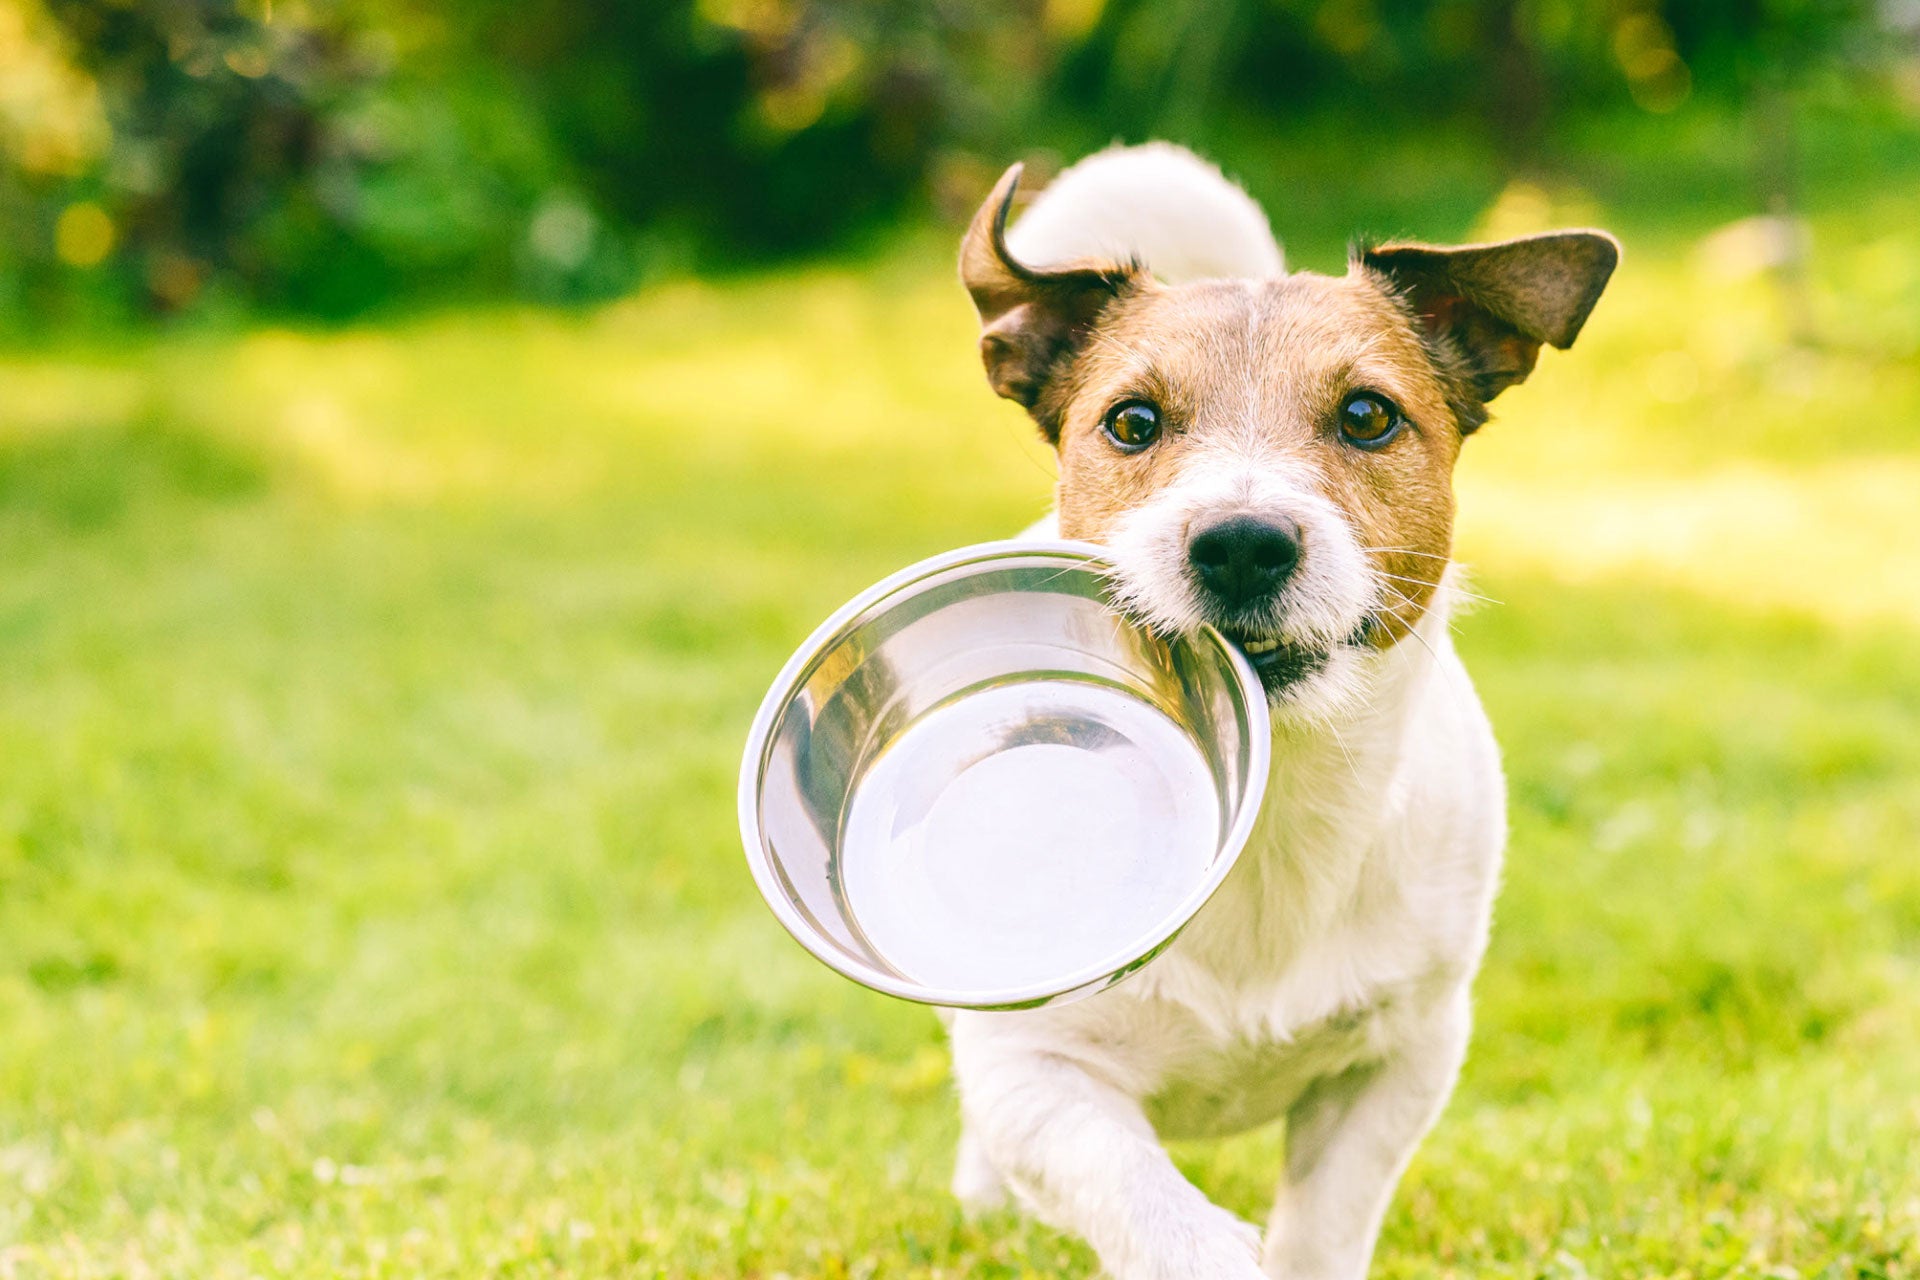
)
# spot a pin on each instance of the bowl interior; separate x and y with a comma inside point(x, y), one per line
point(978, 785)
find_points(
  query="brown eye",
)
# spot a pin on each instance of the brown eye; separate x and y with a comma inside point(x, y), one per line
point(1369, 420)
point(1132, 426)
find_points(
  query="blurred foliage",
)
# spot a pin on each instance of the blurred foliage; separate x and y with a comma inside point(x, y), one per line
point(322, 156)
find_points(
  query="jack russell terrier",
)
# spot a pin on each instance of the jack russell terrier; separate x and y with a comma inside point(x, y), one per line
point(1271, 454)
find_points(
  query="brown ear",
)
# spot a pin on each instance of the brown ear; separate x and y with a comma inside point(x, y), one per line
point(1488, 307)
point(1031, 319)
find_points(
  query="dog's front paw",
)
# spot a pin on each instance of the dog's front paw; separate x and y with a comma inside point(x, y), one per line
point(1210, 1245)
point(1287, 1259)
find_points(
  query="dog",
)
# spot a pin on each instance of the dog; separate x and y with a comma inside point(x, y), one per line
point(1269, 454)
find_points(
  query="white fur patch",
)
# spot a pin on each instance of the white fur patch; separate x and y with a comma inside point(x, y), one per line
point(1159, 203)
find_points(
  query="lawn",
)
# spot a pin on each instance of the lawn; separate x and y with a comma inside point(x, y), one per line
point(370, 704)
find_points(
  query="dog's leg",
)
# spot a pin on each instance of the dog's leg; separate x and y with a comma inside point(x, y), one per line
point(1081, 1154)
point(977, 1185)
point(1349, 1139)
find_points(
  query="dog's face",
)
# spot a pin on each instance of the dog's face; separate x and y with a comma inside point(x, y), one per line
point(1274, 457)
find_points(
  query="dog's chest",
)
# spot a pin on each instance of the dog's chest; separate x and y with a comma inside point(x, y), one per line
point(1247, 1082)
point(1257, 1007)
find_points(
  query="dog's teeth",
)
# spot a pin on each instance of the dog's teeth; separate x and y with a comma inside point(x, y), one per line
point(1262, 646)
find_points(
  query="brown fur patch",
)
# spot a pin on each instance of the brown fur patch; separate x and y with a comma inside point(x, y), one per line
point(1485, 309)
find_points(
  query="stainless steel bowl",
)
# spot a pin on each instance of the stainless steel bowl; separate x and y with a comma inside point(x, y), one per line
point(977, 785)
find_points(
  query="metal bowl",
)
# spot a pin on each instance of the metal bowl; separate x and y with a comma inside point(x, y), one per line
point(978, 785)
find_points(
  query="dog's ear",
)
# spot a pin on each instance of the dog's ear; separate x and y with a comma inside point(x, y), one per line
point(1031, 318)
point(1488, 307)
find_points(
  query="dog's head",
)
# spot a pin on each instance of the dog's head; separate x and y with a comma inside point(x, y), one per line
point(1274, 456)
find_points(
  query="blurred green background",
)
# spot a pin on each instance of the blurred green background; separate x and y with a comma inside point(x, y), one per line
point(425, 428)
point(169, 157)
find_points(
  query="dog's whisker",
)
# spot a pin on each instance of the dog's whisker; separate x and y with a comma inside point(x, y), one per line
point(1061, 573)
point(1407, 601)
point(1413, 630)
point(1426, 555)
point(1422, 582)
point(1339, 740)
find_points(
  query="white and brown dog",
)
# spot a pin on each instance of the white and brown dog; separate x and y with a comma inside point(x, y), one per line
point(1270, 454)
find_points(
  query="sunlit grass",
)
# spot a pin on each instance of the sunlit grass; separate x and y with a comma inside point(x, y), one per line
point(369, 708)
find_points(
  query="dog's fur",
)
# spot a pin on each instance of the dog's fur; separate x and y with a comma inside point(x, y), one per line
point(1328, 980)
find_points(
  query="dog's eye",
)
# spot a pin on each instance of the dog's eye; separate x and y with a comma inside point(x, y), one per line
point(1370, 420)
point(1132, 426)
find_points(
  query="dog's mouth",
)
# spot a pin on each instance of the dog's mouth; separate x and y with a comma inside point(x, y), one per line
point(1277, 662)
point(1280, 663)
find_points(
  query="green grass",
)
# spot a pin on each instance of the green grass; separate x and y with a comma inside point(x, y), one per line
point(370, 902)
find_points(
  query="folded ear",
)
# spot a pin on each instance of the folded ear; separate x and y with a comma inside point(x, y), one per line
point(1488, 307)
point(1031, 318)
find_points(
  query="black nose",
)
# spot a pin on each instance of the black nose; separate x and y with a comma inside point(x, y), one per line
point(1242, 560)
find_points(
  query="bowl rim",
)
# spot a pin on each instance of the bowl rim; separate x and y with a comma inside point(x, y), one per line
point(1082, 981)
